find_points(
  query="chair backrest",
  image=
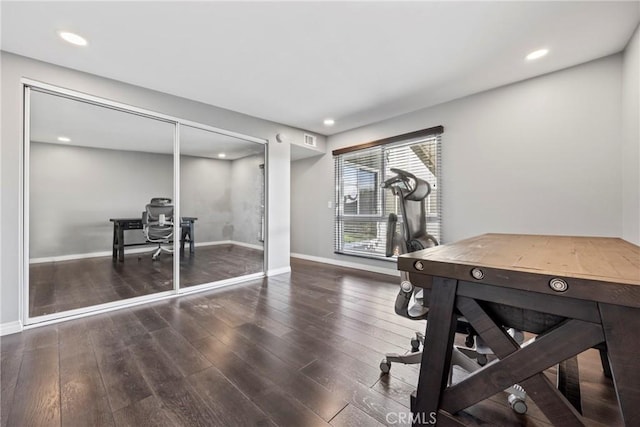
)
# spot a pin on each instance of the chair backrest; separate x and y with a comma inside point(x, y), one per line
point(157, 219)
point(412, 192)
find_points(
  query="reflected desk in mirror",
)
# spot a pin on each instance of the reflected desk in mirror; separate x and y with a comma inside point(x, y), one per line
point(120, 225)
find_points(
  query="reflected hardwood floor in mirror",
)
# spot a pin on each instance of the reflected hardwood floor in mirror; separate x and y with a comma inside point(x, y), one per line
point(67, 285)
point(299, 349)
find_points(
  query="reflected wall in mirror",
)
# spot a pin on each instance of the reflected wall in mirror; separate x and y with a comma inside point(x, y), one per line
point(93, 169)
point(222, 185)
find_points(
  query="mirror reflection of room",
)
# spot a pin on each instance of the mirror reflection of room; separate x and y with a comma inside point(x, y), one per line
point(102, 217)
point(222, 185)
point(90, 169)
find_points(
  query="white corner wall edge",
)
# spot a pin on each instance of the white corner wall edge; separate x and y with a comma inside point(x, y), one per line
point(277, 271)
point(10, 328)
point(354, 265)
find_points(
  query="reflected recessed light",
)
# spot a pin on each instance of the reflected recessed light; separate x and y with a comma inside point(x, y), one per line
point(537, 54)
point(64, 139)
point(329, 122)
point(72, 38)
point(222, 155)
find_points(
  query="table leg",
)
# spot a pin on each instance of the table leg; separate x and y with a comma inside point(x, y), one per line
point(548, 398)
point(191, 238)
point(621, 325)
point(436, 357)
point(121, 243)
point(114, 244)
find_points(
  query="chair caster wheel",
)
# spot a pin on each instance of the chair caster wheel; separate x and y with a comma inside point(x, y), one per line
point(518, 405)
point(385, 366)
point(415, 345)
point(481, 359)
point(469, 341)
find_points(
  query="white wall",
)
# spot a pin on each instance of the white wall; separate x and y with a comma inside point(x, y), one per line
point(246, 183)
point(15, 67)
point(631, 141)
point(75, 190)
point(205, 193)
point(539, 156)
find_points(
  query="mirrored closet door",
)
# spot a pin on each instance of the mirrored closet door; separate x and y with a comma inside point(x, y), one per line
point(94, 176)
point(222, 203)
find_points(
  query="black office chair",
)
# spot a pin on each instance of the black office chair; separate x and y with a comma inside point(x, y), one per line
point(413, 302)
point(411, 191)
point(157, 225)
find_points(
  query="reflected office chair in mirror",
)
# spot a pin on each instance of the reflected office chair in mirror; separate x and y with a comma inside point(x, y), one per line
point(413, 302)
point(157, 225)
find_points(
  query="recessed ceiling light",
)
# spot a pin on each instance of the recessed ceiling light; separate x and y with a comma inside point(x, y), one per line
point(329, 122)
point(537, 54)
point(222, 155)
point(64, 139)
point(72, 38)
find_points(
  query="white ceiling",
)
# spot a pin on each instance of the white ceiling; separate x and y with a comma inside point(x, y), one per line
point(88, 125)
point(299, 62)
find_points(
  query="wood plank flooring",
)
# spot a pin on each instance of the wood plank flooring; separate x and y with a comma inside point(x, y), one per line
point(60, 286)
point(299, 349)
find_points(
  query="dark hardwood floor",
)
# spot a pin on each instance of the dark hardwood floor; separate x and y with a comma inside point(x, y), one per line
point(66, 285)
point(299, 349)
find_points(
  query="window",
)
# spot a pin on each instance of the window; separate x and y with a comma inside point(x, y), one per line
point(362, 206)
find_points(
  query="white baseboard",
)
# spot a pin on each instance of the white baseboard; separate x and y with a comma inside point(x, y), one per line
point(9, 328)
point(277, 271)
point(71, 257)
point(149, 248)
point(247, 245)
point(215, 243)
point(230, 242)
point(354, 265)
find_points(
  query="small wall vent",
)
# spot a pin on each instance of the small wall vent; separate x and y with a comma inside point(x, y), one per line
point(309, 140)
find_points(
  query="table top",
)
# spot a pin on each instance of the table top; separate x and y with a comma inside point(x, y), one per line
point(598, 259)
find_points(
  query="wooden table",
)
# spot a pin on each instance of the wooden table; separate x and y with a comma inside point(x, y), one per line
point(120, 225)
point(590, 285)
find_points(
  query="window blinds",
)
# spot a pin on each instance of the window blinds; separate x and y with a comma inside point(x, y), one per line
point(362, 206)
